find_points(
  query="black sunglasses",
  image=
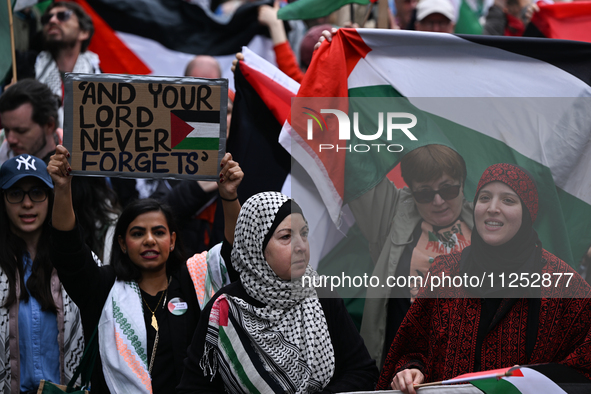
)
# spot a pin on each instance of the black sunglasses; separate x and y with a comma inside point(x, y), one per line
point(446, 192)
point(16, 196)
point(61, 16)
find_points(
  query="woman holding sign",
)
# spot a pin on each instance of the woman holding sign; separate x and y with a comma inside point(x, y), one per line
point(144, 302)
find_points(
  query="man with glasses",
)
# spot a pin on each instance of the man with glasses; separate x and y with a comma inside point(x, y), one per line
point(67, 31)
point(28, 111)
point(437, 16)
point(406, 229)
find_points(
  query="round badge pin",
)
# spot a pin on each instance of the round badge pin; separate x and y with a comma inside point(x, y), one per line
point(177, 306)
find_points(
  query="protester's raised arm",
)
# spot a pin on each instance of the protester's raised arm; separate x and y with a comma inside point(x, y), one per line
point(230, 177)
point(63, 218)
point(268, 17)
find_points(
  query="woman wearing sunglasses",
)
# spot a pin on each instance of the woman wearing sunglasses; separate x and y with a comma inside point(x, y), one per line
point(532, 308)
point(39, 324)
point(406, 229)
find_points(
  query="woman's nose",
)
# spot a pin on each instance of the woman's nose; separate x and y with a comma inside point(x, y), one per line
point(437, 200)
point(298, 244)
point(149, 239)
point(493, 207)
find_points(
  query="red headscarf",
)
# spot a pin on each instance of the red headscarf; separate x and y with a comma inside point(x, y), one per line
point(523, 252)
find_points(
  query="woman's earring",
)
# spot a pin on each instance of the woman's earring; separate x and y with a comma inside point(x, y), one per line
point(171, 248)
point(124, 251)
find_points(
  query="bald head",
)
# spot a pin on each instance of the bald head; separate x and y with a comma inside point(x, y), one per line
point(203, 66)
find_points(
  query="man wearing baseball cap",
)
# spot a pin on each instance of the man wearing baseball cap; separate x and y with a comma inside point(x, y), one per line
point(436, 16)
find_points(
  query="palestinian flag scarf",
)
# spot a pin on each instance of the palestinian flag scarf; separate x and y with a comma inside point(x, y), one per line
point(282, 347)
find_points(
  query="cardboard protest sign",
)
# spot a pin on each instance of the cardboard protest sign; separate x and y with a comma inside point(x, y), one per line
point(144, 126)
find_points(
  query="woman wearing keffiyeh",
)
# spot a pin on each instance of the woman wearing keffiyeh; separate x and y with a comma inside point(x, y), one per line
point(268, 332)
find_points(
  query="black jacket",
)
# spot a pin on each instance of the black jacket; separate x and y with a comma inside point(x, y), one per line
point(89, 285)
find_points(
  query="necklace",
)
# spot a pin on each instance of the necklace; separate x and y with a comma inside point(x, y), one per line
point(154, 321)
point(155, 324)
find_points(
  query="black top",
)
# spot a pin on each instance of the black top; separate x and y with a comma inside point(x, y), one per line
point(399, 302)
point(163, 366)
point(354, 368)
point(89, 285)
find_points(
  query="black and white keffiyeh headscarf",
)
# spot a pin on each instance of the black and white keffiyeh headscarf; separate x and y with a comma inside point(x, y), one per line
point(289, 336)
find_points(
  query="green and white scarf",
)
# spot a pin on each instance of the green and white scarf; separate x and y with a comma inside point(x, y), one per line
point(123, 341)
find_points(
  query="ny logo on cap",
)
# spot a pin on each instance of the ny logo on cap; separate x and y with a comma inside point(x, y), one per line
point(29, 162)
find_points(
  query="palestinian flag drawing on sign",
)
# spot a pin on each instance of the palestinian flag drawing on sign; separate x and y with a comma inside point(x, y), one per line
point(195, 130)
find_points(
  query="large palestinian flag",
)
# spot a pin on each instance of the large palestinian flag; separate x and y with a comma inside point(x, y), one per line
point(524, 101)
point(160, 37)
point(263, 100)
point(262, 105)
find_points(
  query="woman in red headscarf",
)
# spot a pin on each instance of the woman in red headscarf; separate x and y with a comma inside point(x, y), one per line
point(454, 330)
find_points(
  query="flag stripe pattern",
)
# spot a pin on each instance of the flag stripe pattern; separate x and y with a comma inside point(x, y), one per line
point(182, 25)
point(106, 43)
point(524, 380)
point(308, 9)
point(209, 130)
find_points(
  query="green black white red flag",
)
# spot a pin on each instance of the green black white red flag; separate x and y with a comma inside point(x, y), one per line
point(527, 379)
point(493, 99)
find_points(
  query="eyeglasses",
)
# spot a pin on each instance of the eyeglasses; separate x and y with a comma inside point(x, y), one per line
point(61, 16)
point(446, 192)
point(36, 194)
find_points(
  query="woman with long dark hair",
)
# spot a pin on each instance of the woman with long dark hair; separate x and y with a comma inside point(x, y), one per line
point(144, 303)
point(39, 324)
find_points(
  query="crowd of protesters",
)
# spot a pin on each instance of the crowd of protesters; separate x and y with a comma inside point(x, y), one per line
point(87, 260)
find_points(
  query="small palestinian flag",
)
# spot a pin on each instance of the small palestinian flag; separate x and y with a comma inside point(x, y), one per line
point(527, 379)
point(195, 130)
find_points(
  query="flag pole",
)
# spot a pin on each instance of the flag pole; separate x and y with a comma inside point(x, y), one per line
point(466, 379)
point(352, 9)
point(416, 386)
point(367, 14)
point(12, 40)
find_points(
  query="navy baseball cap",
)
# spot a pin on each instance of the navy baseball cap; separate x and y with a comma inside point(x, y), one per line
point(22, 166)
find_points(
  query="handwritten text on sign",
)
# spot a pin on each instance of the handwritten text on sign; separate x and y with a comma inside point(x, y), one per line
point(149, 128)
